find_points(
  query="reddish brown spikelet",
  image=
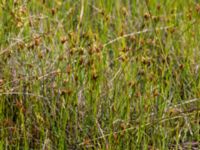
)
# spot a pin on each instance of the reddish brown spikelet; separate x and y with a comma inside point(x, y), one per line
point(37, 41)
point(68, 69)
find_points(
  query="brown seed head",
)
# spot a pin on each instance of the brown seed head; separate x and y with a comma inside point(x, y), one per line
point(155, 93)
point(86, 141)
point(198, 8)
point(1, 81)
point(68, 69)
point(158, 6)
point(66, 92)
point(124, 11)
point(37, 41)
point(147, 16)
point(63, 39)
point(53, 11)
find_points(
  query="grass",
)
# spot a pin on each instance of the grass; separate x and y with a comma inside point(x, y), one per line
point(99, 74)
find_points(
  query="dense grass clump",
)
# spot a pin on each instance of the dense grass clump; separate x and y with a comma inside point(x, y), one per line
point(99, 74)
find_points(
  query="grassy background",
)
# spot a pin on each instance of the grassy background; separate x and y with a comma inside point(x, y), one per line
point(99, 74)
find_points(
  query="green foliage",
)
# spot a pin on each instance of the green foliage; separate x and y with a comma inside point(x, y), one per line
point(99, 74)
